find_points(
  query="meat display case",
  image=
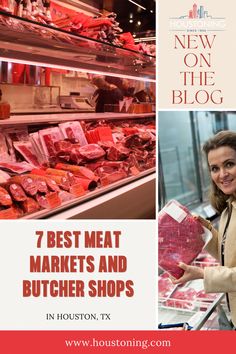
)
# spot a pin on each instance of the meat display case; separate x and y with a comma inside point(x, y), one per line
point(24, 41)
point(187, 306)
point(194, 320)
point(52, 47)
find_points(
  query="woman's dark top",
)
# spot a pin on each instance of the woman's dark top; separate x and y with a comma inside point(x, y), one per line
point(107, 97)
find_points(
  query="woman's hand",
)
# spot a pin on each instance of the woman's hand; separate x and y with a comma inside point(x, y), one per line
point(190, 273)
point(204, 222)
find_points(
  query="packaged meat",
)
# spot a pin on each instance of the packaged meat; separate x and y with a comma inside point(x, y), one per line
point(73, 131)
point(4, 155)
point(48, 137)
point(5, 198)
point(181, 238)
point(13, 135)
point(27, 151)
point(38, 148)
point(165, 286)
point(182, 298)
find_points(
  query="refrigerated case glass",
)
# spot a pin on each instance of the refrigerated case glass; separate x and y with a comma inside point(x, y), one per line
point(176, 151)
point(205, 130)
point(232, 121)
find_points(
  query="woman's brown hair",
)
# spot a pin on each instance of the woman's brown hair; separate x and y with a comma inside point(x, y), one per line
point(224, 138)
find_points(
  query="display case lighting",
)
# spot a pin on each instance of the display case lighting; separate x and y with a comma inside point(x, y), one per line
point(135, 3)
point(95, 72)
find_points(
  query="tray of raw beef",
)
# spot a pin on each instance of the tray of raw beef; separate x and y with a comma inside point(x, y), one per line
point(181, 238)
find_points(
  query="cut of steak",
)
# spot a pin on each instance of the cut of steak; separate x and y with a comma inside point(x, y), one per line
point(117, 152)
point(91, 151)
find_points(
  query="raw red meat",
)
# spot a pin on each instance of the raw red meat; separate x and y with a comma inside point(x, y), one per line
point(180, 238)
point(77, 190)
point(9, 213)
point(182, 298)
point(117, 152)
point(165, 286)
point(49, 201)
point(17, 167)
point(62, 145)
point(91, 151)
point(86, 183)
point(202, 296)
point(113, 177)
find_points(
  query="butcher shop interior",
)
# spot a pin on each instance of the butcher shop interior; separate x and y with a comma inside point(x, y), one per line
point(184, 184)
point(77, 109)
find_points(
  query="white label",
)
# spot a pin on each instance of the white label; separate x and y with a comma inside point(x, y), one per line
point(175, 212)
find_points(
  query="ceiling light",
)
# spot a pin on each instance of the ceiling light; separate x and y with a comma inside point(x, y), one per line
point(135, 3)
point(131, 21)
point(139, 23)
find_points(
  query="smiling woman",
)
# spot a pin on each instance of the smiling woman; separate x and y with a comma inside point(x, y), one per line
point(221, 156)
